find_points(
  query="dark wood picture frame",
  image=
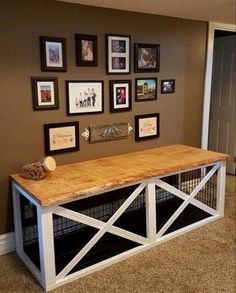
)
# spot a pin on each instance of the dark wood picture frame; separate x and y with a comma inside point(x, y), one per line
point(120, 95)
point(118, 54)
point(53, 54)
point(45, 93)
point(146, 89)
point(146, 57)
point(167, 86)
point(84, 97)
point(86, 50)
point(147, 126)
point(58, 135)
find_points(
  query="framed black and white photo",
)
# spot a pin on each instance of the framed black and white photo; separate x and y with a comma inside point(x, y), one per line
point(147, 126)
point(120, 95)
point(53, 54)
point(118, 54)
point(84, 97)
point(86, 50)
point(167, 86)
point(45, 93)
point(145, 89)
point(61, 137)
point(146, 58)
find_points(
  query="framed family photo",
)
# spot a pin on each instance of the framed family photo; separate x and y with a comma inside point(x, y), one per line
point(120, 95)
point(86, 50)
point(145, 89)
point(61, 137)
point(167, 86)
point(45, 93)
point(147, 126)
point(146, 58)
point(53, 54)
point(118, 54)
point(84, 97)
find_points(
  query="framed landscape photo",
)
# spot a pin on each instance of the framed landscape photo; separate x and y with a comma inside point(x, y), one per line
point(147, 126)
point(86, 50)
point(120, 95)
point(45, 93)
point(167, 86)
point(61, 137)
point(84, 97)
point(53, 54)
point(145, 89)
point(118, 54)
point(146, 58)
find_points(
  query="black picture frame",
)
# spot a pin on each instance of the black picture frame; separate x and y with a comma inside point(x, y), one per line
point(146, 57)
point(120, 95)
point(147, 126)
point(118, 54)
point(146, 89)
point(84, 97)
point(61, 137)
point(53, 54)
point(167, 86)
point(45, 93)
point(86, 47)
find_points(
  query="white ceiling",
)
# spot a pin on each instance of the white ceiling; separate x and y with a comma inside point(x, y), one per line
point(207, 10)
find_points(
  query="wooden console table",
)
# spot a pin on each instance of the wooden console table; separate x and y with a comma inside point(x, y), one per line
point(175, 177)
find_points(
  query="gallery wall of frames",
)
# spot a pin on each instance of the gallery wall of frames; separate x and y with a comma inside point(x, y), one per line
point(85, 97)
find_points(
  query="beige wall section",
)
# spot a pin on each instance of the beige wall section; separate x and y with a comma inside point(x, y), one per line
point(21, 131)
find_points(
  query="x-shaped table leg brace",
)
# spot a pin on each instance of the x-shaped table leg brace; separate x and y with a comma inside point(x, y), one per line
point(105, 227)
point(187, 200)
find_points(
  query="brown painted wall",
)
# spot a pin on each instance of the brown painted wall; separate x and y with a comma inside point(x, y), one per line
point(21, 131)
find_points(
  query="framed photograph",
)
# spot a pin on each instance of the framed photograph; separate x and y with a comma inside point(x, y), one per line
point(120, 95)
point(167, 86)
point(118, 54)
point(45, 93)
point(61, 137)
point(86, 50)
point(53, 54)
point(146, 58)
point(147, 126)
point(145, 89)
point(84, 97)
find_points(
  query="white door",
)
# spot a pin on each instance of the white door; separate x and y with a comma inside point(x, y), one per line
point(222, 128)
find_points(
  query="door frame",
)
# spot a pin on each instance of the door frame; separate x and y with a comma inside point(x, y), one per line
point(212, 26)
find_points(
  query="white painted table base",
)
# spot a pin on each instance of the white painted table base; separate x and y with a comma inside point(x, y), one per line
point(47, 275)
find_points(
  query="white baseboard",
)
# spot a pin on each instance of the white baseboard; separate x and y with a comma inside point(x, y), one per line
point(7, 243)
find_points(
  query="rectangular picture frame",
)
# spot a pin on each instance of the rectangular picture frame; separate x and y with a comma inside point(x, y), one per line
point(145, 89)
point(167, 86)
point(147, 126)
point(118, 54)
point(45, 93)
point(146, 57)
point(53, 54)
point(84, 97)
point(61, 137)
point(86, 50)
point(120, 95)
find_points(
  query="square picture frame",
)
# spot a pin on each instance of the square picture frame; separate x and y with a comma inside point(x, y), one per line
point(53, 54)
point(120, 95)
point(167, 86)
point(84, 97)
point(147, 126)
point(61, 137)
point(146, 57)
point(118, 54)
point(45, 93)
point(145, 89)
point(86, 50)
